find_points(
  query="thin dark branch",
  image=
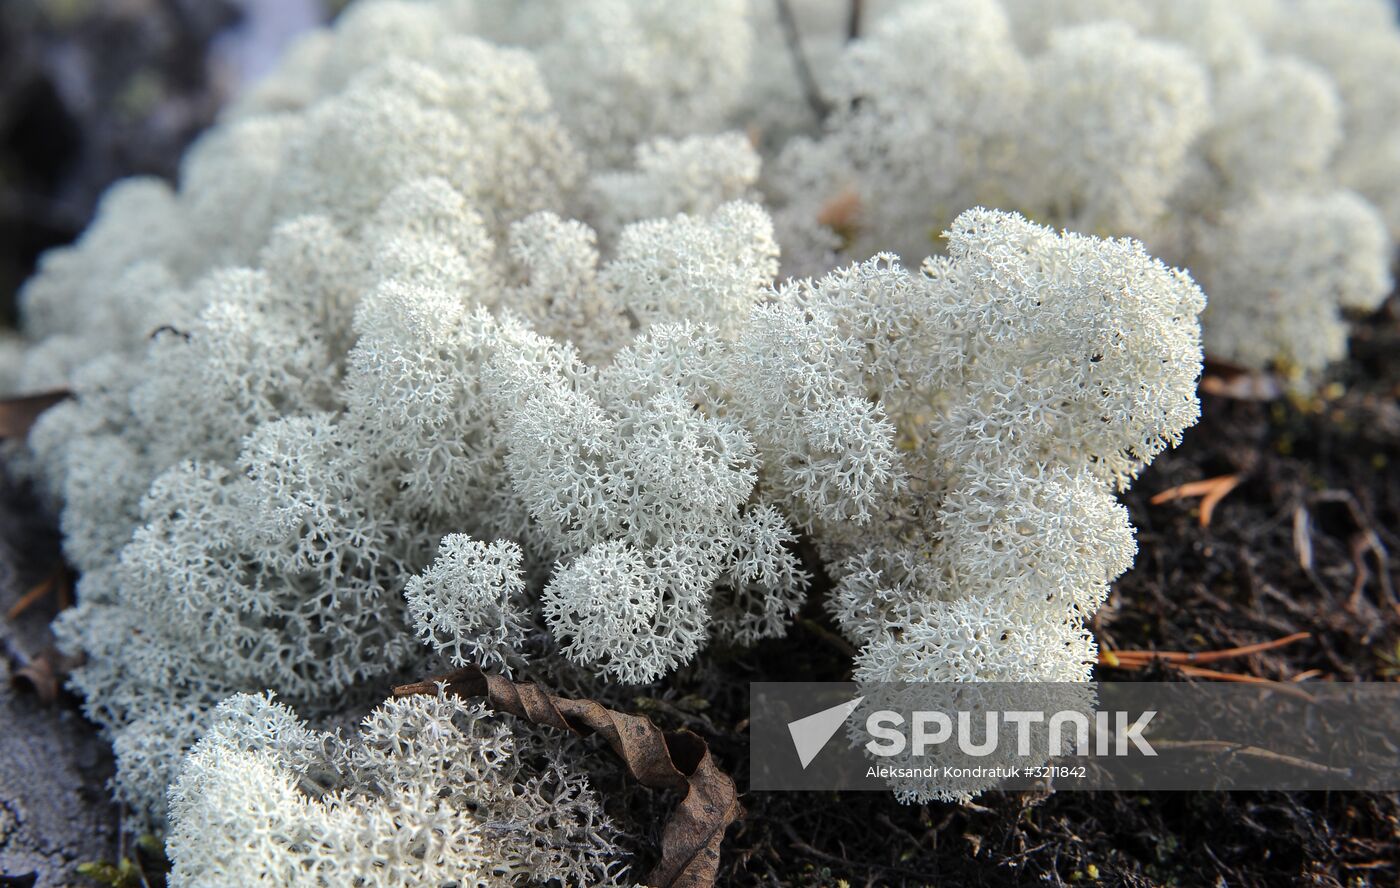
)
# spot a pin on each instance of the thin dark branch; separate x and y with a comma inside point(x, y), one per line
point(820, 106)
point(853, 21)
point(842, 860)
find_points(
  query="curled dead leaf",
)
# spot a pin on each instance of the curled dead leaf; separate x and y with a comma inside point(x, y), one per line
point(1226, 380)
point(17, 415)
point(841, 213)
point(44, 675)
point(675, 760)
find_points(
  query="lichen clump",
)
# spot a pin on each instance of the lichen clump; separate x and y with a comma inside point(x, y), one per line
point(428, 792)
point(1252, 141)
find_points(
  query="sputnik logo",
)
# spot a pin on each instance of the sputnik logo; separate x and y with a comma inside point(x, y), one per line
point(811, 733)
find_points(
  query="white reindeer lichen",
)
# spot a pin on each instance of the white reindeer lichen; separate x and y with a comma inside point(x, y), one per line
point(431, 791)
point(1186, 124)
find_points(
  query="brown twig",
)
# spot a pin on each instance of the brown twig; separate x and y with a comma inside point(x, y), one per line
point(676, 760)
point(1243, 387)
point(827, 636)
point(28, 599)
point(805, 848)
point(1368, 541)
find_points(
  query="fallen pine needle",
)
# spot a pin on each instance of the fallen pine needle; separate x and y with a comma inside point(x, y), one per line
point(1187, 662)
point(1225, 746)
point(27, 600)
point(1214, 675)
point(1370, 864)
point(1210, 490)
point(1217, 675)
point(1208, 656)
point(34, 595)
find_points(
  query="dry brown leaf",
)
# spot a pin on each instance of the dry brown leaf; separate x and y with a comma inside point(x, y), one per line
point(18, 414)
point(1226, 380)
point(1244, 387)
point(44, 675)
point(676, 760)
point(841, 213)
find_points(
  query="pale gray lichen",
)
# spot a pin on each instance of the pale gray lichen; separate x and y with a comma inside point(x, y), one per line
point(431, 791)
point(1184, 124)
